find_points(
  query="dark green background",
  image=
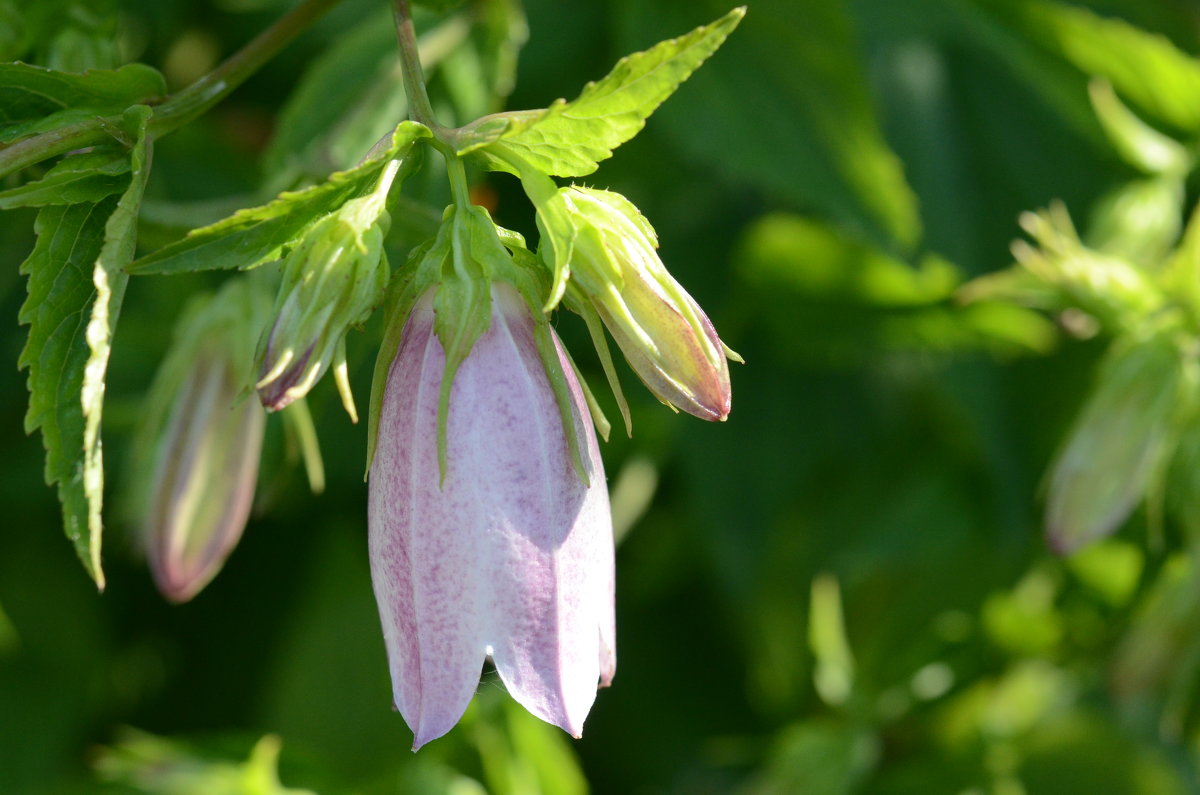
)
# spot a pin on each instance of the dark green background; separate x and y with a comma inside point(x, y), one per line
point(896, 445)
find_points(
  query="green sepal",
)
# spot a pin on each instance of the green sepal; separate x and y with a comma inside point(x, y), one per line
point(84, 178)
point(462, 306)
point(257, 235)
point(301, 435)
point(582, 307)
point(569, 139)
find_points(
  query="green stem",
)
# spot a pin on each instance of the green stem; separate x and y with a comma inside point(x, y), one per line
point(458, 179)
point(51, 144)
point(181, 107)
point(414, 76)
point(194, 100)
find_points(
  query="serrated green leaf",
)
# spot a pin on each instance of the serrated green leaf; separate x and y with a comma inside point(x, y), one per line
point(34, 99)
point(76, 284)
point(569, 139)
point(79, 179)
point(250, 237)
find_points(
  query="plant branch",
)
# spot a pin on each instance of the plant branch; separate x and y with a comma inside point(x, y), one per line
point(194, 100)
point(414, 76)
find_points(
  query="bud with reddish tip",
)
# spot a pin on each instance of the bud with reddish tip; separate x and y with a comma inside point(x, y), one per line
point(503, 550)
point(665, 335)
point(332, 280)
point(205, 436)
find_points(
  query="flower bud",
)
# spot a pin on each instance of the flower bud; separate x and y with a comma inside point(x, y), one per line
point(205, 436)
point(1123, 439)
point(1115, 291)
point(331, 281)
point(665, 335)
point(509, 553)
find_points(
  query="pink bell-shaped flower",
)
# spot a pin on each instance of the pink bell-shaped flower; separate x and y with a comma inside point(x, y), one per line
point(511, 555)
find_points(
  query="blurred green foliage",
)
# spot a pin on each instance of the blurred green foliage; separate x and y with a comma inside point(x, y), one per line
point(844, 588)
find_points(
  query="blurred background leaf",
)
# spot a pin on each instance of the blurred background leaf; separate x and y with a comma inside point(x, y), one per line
point(869, 516)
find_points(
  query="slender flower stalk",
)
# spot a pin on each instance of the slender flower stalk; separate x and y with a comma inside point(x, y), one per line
point(510, 556)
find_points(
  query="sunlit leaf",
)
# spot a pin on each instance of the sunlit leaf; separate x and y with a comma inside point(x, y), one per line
point(569, 139)
point(256, 235)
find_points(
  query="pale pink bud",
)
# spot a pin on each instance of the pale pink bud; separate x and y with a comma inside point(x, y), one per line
point(665, 335)
point(206, 438)
point(511, 557)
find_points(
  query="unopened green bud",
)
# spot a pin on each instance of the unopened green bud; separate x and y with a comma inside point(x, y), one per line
point(205, 436)
point(331, 281)
point(1125, 436)
point(665, 335)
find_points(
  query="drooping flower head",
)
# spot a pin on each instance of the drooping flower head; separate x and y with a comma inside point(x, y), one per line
point(616, 272)
point(332, 280)
point(205, 436)
point(511, 556)
point(490, 534)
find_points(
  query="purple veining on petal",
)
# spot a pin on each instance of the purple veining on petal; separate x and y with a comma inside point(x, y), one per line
point(512, 556)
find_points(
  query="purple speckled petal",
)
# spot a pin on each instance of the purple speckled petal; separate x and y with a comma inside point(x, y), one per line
point(513, 556)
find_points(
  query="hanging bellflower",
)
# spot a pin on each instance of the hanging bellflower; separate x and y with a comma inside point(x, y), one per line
point(509, 554)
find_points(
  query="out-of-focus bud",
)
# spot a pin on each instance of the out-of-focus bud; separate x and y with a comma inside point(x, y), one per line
point(508, 552)
point(1125, 436)
point(331, 281)
point(205, 434)
point(1114, 291)
point(665, 335)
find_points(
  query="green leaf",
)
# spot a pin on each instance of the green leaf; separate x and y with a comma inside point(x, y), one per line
point(250, 237)
point(1144, 68)
point(1057, 47)
point(76, 283)
point(79, 179)
point(568, 139)
point(34, 99)
point(56, 354)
